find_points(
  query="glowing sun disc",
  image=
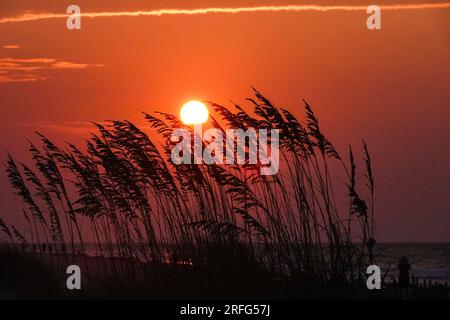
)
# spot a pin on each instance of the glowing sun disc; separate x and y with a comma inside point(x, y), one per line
point(194, 112)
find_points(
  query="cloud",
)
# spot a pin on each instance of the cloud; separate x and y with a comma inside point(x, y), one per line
point(27, 70)
point(5, 78)
point(80, 128)
point(72, 127)
point(30, 16)
point(11, 46)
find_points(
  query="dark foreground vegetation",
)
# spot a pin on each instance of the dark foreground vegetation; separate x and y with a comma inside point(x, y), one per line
point(31, 276)
point(196, 230)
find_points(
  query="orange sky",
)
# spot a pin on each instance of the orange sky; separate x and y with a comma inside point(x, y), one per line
point(390, 86)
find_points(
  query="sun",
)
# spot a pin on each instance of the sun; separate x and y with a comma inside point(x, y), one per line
point(194, 112)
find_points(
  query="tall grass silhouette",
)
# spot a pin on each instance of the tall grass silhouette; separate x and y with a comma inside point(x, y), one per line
point(123, 191)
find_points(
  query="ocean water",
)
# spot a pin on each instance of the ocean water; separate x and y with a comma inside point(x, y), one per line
point(430, 261)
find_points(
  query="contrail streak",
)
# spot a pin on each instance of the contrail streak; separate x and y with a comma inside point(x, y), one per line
point(162, 12)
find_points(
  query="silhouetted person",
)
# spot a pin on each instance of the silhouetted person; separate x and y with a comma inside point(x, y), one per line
point(403, 272)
